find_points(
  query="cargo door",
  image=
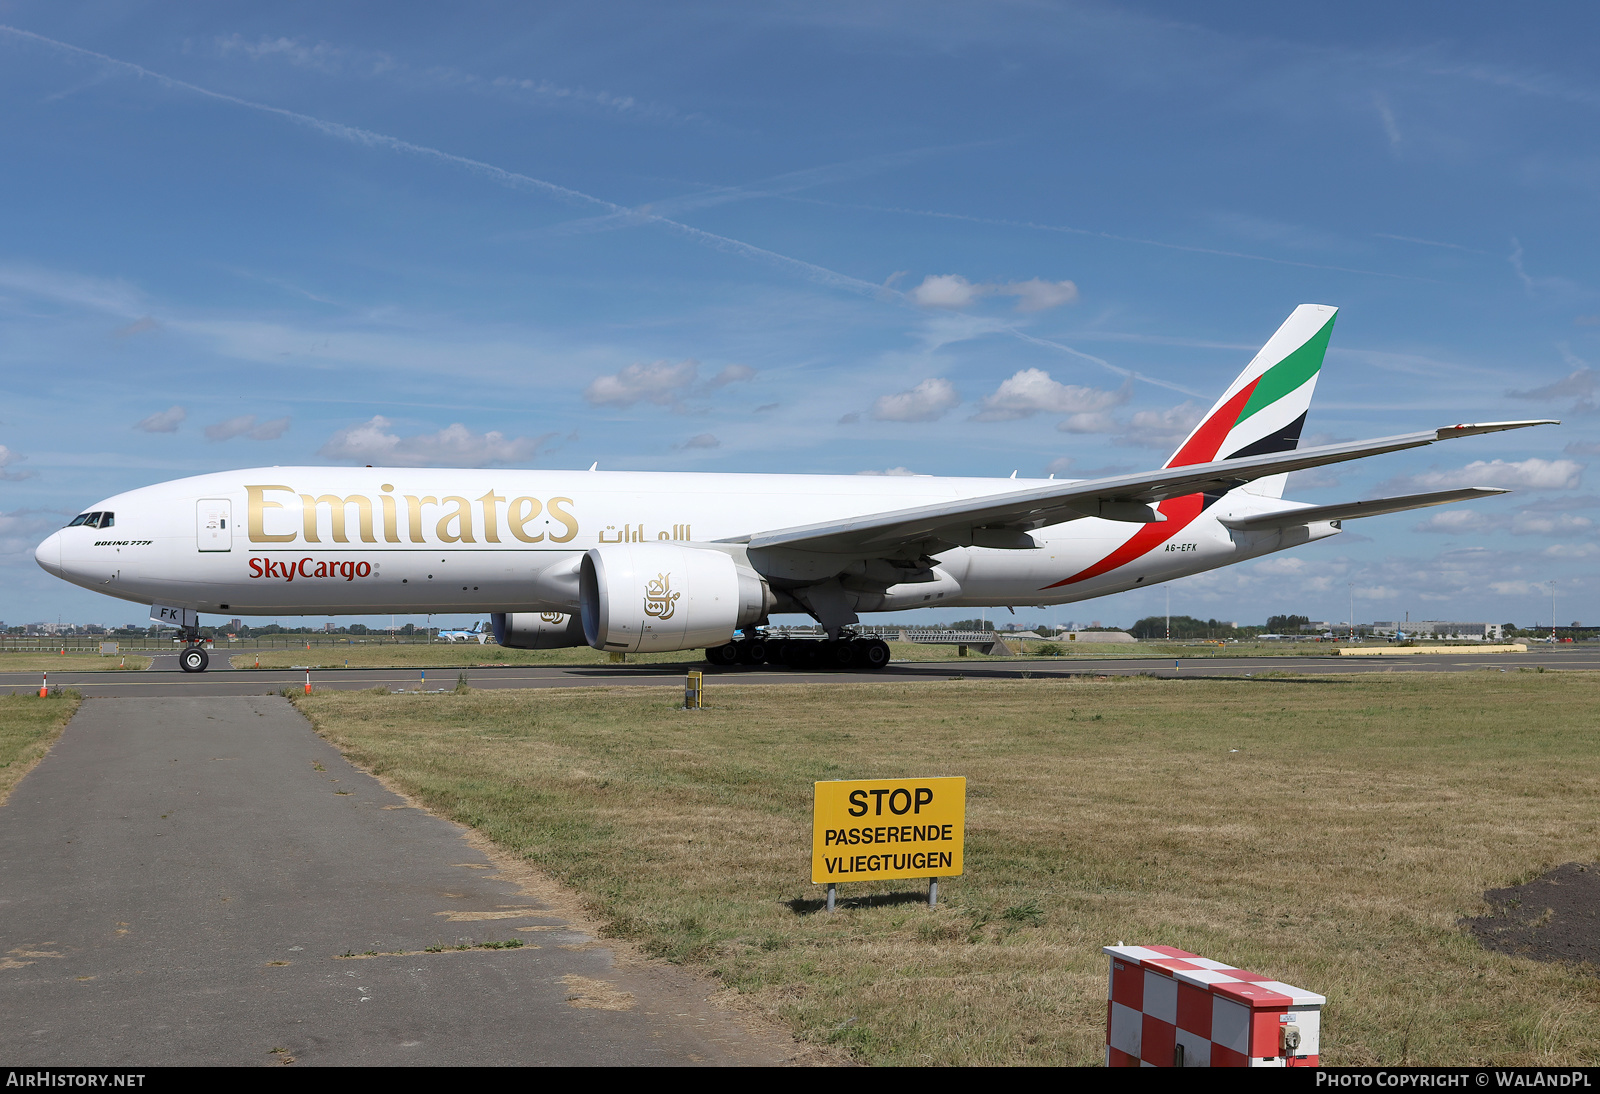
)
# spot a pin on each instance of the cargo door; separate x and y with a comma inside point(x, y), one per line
point(214, 524)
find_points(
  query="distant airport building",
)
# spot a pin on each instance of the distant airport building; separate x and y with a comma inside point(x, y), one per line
point(1440, 628)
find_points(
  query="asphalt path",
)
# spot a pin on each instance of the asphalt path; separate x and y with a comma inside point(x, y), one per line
point(200, 880)
point(164, 679)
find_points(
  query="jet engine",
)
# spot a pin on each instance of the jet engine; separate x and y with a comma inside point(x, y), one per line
point(534, 631)
point(649, 597)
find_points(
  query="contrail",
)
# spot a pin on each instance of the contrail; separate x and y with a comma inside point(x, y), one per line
point(1069, 230)
point(519, 181)
point(1102, 362)
point(513, 179)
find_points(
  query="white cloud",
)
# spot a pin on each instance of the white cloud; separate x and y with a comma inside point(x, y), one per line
point(945, 291)
point(955, 291)
point(1453, 521)
point(1089, 423)
point(894, 472)
point(7, 458)
point(454, 446)
point(1551, 524)
point(1031, 390)
point(1587, 549)
point(163, 421)
point(1060, 465)
point(731, 374)
point(923, 403)
point(660, 382)
point(246, 425)
point(1162, 428)
point(1579, 386)
point(1037, 295)
point(1529, 474)
point(701, 440)
point(322, 56)
point(22, 529)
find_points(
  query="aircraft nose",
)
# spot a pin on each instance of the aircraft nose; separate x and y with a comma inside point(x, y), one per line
point(48, 554)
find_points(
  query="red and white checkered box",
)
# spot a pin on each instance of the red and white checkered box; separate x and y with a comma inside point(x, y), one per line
point(1166, 1007)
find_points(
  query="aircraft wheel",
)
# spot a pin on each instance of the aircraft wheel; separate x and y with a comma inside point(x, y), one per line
point(724, 655)
point(753, 651)
point(842, 655)
point(874, 653)
point(193, 659)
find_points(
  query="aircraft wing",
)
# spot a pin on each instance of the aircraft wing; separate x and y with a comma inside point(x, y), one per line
point(1001, 520)
point(1353, 509)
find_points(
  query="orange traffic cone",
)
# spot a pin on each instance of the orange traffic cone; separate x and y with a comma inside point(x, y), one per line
point(44, 688)
point(308, 681)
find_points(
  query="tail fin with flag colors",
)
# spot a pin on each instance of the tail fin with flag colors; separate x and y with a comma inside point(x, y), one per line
point(1264, 410)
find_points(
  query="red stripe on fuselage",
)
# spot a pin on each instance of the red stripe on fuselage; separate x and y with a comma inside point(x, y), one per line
point(1180, 512)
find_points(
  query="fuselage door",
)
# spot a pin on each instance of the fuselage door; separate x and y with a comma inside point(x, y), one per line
point(214, 524)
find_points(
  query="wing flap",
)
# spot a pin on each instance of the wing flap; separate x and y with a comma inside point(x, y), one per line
point(1352, 510)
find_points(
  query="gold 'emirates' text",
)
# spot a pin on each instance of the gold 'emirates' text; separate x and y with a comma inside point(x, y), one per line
point(453, 519)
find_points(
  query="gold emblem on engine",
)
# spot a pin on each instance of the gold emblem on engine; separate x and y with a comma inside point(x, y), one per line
point(551, 617)
point(659, 599)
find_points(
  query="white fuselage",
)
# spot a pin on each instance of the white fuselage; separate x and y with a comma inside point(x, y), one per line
point(363, 541)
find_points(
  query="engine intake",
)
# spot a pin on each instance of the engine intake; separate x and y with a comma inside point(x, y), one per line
point(655, 597)
point(534, 631)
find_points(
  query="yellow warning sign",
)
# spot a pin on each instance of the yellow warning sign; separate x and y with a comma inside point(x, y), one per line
point(872, 829)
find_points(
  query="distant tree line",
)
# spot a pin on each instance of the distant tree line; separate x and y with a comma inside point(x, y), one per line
point(1188, 627)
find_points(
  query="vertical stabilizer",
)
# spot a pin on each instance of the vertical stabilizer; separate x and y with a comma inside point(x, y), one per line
point(1265, 409)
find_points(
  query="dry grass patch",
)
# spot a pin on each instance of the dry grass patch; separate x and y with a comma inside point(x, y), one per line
point(28, 727)
point(71, 662)
point(1328, 831)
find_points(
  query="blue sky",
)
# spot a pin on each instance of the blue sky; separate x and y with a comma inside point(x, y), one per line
point(943, 238)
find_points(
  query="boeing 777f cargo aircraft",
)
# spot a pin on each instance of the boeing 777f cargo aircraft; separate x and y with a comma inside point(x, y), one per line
point(646, 561)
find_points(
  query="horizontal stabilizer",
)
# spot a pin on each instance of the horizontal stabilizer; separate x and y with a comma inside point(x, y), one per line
point(1352, 509)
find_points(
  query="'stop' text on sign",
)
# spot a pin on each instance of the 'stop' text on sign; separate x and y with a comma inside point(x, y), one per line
point(873, 829)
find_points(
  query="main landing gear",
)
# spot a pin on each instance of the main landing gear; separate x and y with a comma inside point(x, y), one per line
point(803, 653)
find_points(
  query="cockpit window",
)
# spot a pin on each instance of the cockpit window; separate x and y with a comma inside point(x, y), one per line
point(93, 520)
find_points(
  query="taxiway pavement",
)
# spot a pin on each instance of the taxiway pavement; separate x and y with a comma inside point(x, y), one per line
point(162, 680)
point(200, 880)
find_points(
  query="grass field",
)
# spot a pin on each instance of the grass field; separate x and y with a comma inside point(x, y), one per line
point(28, 726)
point(71, 662)
point(464, 655)
point(1327, 831)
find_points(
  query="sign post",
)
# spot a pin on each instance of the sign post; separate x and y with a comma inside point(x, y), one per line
point(878, 829)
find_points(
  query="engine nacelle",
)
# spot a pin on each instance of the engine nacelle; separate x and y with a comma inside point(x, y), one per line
point(537, 631)
point(651, 597)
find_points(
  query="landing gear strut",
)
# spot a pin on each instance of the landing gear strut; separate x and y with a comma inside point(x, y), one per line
point(803, 653)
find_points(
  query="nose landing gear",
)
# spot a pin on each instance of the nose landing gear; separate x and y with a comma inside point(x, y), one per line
point(194, 657)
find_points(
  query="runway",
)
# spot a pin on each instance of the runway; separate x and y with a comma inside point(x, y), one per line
point(164, 679)
point(206, 881)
